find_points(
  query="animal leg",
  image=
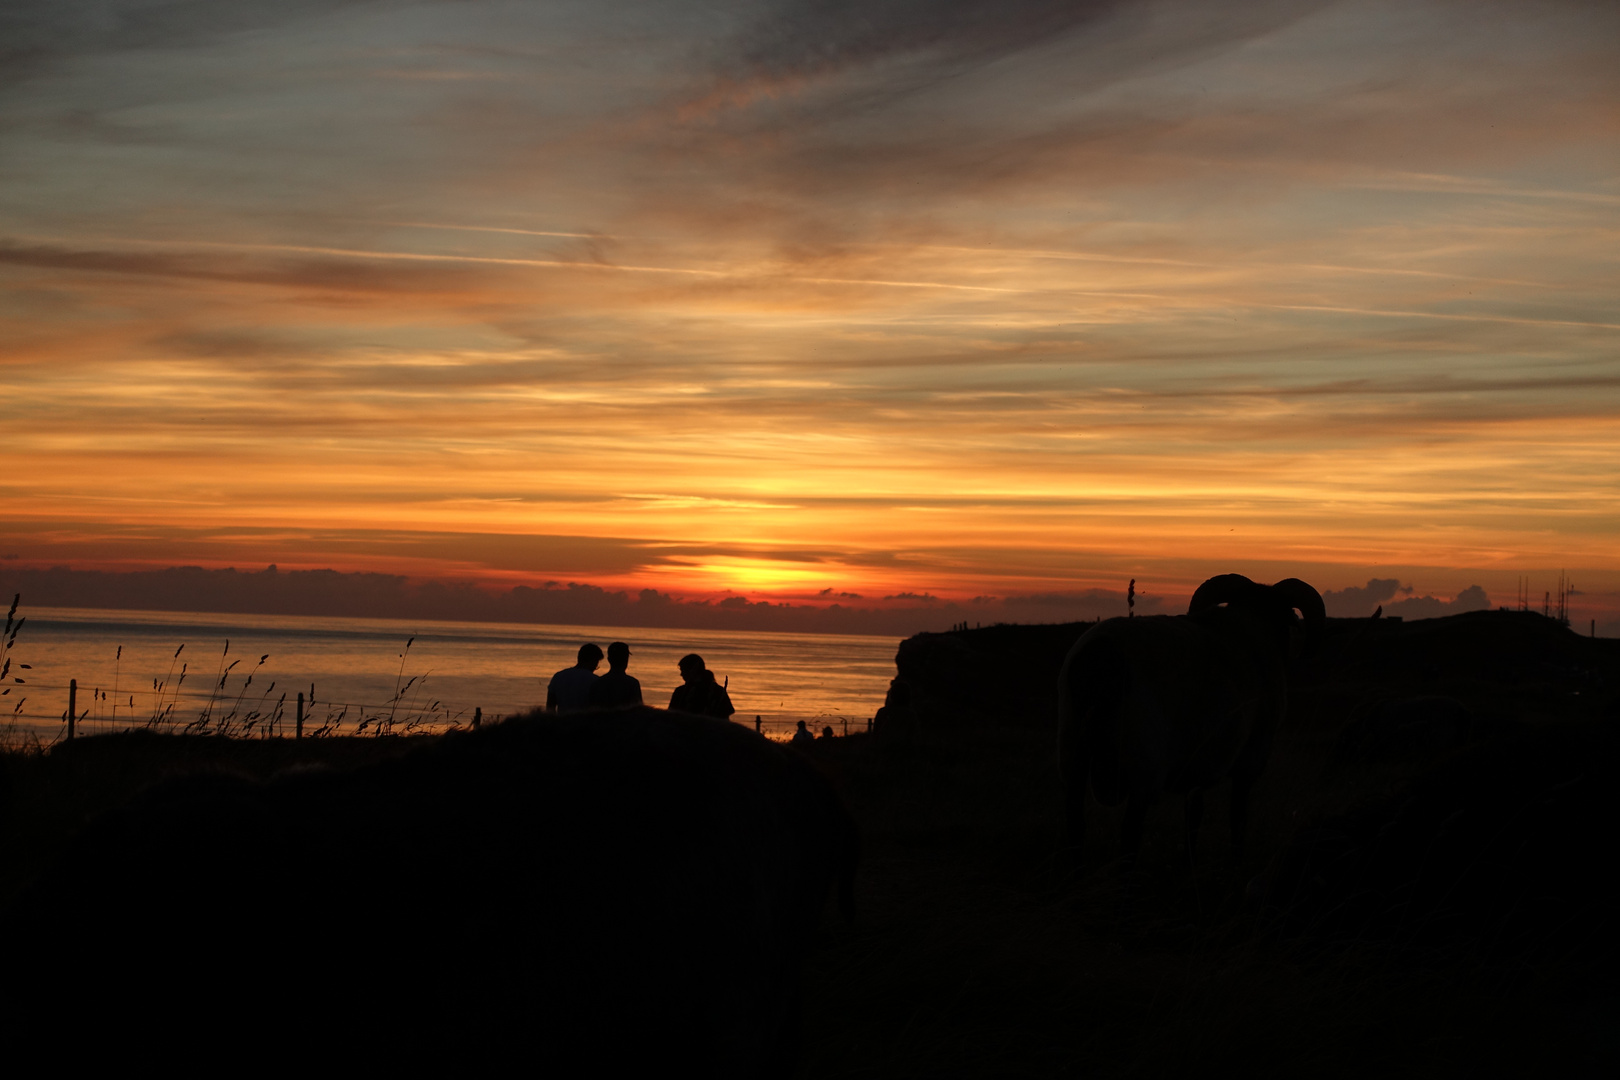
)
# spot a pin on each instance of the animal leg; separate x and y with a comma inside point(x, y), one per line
point(1075, 794)
point(1130, 833)
point(1090, 702)
point(1245, 772)
point(1195, 817)
point(1074, 761)
point(1241, 786)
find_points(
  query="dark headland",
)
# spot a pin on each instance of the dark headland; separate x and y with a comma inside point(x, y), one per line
point(1427, 891)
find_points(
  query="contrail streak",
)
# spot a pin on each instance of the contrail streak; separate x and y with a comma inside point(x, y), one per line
point(1438, 315)
point(414, 256)
point(495, 229)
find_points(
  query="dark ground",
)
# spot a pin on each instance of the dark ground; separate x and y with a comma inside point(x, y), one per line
point(981, 952)
point(977, 953)
point(978, 950)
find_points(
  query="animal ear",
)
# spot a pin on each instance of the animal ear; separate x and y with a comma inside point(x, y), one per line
point(1297, 594)
point(1222, 589)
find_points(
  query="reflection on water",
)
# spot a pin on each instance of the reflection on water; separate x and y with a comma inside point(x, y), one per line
point(127, 670)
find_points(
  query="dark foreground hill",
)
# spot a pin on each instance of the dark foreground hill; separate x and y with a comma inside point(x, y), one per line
point(1499, 663)
point(515, 893)
point(1427, 893)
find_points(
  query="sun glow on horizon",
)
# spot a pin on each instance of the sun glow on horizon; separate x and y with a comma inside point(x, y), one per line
point(912, 323)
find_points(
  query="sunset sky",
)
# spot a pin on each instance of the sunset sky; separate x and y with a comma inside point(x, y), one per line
point(926, 296)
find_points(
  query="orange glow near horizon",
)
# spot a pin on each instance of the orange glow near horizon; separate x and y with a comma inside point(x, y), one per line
point(1286, 297)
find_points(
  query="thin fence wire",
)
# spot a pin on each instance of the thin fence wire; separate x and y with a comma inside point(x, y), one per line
point(265, 715)
point(188, 711)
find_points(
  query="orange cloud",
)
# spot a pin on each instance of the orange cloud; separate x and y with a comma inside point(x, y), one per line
point(1239, 295)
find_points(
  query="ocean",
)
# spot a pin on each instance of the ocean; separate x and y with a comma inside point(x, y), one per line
point(243, 673)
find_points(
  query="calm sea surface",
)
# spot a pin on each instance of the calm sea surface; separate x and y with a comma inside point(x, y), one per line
point(359, 671)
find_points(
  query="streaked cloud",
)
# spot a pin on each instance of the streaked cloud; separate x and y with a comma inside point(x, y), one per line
point(954, 299)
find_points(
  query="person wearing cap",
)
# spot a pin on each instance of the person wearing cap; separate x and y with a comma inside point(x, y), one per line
point(618, 689)
point(698, 692)
point(570, 689)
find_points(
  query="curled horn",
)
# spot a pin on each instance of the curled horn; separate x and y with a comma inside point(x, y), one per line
point(1298, 594)
point(1226, 589)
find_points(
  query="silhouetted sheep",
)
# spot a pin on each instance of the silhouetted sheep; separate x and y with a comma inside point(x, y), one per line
point(621, 894)
point(1499, 856)
point(1176, 704)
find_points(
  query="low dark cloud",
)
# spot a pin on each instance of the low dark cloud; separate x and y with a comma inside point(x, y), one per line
point(1472, 598)
point(273, 591)
point(1360, 600)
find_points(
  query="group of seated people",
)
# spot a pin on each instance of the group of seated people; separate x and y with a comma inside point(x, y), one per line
point(802, 736)
point(578, 688)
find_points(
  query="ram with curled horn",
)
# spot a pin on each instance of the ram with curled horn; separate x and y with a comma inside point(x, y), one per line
point(1174, 704)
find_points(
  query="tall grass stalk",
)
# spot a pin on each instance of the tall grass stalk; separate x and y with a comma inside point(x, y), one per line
point(219, 681)
point(118, 659)
point(264, 716)
point(236, 708)
point(393, 704)
point(8, 642)
point(160, 711)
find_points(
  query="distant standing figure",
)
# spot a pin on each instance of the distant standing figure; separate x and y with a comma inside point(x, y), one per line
point(570, 689)
point(698, 692)
point(802, 737)
point(618, 689)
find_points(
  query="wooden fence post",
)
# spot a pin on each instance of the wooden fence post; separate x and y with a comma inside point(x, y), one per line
point(73, 703)
point(298, 725)
point(756, 726)
point(478, 716)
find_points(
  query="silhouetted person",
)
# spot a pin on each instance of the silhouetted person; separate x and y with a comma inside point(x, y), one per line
point(570, 689)
point(827, 732)
point(698, 692)
point(618, 689)
point(802, 737)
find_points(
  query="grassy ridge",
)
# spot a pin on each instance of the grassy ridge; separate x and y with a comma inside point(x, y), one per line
point(46, 798)
point(978, 950)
